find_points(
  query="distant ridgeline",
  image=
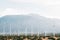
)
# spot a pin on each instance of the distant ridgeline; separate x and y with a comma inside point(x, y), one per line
point(28, 24)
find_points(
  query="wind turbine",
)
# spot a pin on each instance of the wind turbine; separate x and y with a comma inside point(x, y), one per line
point(18, 29)
point(10, 29)
point(25, 30)
point(31, 29)
point(38, 29)
point(54, 27)
point(4, 28)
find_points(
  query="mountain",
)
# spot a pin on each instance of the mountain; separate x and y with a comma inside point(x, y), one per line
point(28, 23)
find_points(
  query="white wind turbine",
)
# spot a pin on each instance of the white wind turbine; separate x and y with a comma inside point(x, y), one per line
point(54, 27)
point(10, 29)
point(31, 29)
point(4, 28)
point(25, 30)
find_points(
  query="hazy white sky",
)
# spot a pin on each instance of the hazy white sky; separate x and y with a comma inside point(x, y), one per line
point(47, 8)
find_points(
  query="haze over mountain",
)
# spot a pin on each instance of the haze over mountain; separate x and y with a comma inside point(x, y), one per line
point(28, 23)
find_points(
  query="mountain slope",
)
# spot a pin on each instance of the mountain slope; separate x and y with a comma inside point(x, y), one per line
point(27, 23)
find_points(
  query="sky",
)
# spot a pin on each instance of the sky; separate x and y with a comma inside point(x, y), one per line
point(47, 8)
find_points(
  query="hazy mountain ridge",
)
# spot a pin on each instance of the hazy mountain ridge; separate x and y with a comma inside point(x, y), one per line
point(31, 23)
